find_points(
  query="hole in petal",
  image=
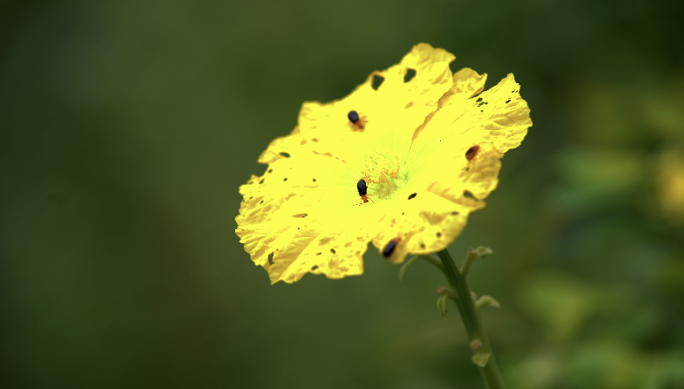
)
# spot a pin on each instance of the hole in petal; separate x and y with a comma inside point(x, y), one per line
point(285, 179)
point(262, 181)
point(413, 195)
point(454, 213)
point(270, 258)
point(286, 155)
point(262, 201)
point(314, 180)
point(478, 100)
point(314, 267)
point(410, 73)
point(319, 253)
point(377, 81)
point(422, 245)
point(439, 234)
point(270, 170)
point(468, 194)
point(333, 251)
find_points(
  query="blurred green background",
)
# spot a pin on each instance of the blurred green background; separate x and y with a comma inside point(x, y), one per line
point(127, 127)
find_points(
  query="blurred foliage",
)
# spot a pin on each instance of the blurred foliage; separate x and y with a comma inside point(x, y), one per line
point(127, 127)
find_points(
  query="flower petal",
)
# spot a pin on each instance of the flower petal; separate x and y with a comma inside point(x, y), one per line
point(454, 161)
point(389, 114)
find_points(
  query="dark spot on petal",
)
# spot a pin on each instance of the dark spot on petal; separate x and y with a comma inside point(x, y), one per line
point(270, 258)
point(422, 245)
point(285, 179)
point(319, 253)
point(389, 248)
point(314, 267)
point(262, 181)
point(333, 251)
point(409, 105)
point(472, 152)
point(486, 102)
point(454, 213)
point(302, 215)
point(508, 101)
point(270, 170)
point(479, 105)
point(402, 214)
point(439, 234)
point(262, 201)
point(314, 180)
point(314, 139)
point(286, 155)
point(410, 73)
point(413, 195)
point(377, 81)
point(482, 110)
point(251, 197)
point(362, 188)
point(478, 100)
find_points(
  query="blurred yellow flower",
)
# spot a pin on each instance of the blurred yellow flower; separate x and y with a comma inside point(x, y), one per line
point(426, 143)
point(669, 183)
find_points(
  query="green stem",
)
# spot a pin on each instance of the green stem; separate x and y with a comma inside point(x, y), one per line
point(470, 259)
point(471, 319)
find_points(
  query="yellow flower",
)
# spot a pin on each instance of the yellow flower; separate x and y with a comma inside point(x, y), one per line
point(428, 145)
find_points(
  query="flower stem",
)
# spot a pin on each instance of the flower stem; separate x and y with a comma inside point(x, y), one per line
point(482, 350)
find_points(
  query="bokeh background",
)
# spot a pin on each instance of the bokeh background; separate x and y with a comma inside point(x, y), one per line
point(126, 129)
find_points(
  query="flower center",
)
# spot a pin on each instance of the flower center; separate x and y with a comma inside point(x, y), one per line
point(382, 172)
point(388, 188)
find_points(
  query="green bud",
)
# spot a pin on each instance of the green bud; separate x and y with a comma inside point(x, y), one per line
point(481, 359)
point(442, 302)
point(483, 252)
point(487, 301)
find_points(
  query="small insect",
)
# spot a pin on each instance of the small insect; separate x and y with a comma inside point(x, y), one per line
point(354, 118)
point(472, 152)
point(363, 190)
point(389, 247)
